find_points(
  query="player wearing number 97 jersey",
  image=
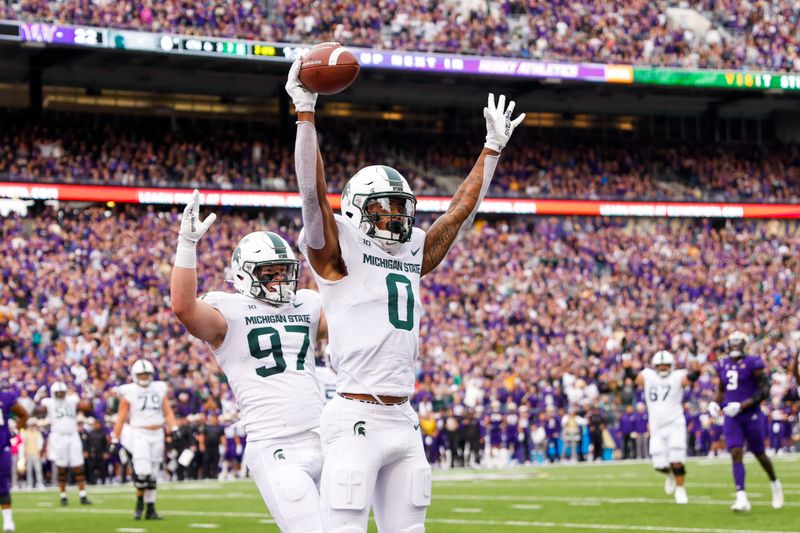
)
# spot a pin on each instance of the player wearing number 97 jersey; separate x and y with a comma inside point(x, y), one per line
point(743, 385)
point(263, 337)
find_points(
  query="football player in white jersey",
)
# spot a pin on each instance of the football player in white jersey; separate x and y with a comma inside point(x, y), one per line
point(663, 388)
point(144, 405)
point(263, 337)
point(367, 263)
point(64, 443)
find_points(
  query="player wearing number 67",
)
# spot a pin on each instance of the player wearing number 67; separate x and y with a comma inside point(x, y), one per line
point(368, 262)
point(263, 337)
point(743, 385)
point(663, 391)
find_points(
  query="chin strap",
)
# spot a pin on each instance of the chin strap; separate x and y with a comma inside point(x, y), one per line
point(305, 163)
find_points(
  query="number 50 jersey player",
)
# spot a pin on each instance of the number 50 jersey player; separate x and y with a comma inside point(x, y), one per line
point(263, 337)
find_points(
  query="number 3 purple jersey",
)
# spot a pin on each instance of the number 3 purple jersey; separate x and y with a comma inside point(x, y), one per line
point(7, 401)
point(737, 379)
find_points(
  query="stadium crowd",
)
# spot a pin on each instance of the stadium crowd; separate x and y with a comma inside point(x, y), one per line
point(759, 34)
point(530, 327)
point(94, 149)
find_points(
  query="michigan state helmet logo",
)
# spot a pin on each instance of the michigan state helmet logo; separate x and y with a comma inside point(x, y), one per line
point(359, 428)
point(278, 454)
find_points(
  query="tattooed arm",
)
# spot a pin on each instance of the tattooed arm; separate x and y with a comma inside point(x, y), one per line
point(464, 205)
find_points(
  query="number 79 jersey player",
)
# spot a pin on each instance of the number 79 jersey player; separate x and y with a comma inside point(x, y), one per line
point(663, 388)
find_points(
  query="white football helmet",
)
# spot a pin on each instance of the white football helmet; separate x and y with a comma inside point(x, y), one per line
point(58, 390)
point(377, 192)
point(142, 367)
point(662, 358)
point(736, 343)
point(259, 249)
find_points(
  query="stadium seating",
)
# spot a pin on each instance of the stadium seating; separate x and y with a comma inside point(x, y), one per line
point(696, 33)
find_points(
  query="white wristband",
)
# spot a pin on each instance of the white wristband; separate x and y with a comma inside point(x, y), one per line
point(186, 254)
point(493, 146)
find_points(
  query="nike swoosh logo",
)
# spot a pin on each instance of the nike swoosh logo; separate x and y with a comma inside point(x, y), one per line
point(297, 305)
point(414, 252)
point(416, 427)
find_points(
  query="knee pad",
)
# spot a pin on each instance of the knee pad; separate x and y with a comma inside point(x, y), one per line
point(62, 474)
point(5, 499)
point(663, 470)
point(151, 483)
point(421, 487)
point(679, 470)
point(140, 482)
point(290, 483)
point(347, 489)
point(348, 529)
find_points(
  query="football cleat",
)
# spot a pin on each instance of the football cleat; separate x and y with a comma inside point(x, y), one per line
point(9, 526)
point(742, 504)
point(669, 484)
point(137, 515)
point(680, 496)
point(85, 500)
point(777, 494)
point(64, 501)
point(151, 513)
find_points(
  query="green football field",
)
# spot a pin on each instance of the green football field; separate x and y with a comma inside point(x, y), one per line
point(604, 497)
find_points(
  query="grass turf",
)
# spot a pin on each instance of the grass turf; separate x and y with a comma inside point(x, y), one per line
point(600, 497)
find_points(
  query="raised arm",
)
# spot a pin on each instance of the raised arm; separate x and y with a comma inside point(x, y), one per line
point(319, 225)
point(199, 318)
point(464, 205)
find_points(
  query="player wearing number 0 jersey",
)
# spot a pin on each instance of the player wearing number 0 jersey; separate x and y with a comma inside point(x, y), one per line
point(263, 337)
point(663, 391)
point(743, 385)
point(367, 263)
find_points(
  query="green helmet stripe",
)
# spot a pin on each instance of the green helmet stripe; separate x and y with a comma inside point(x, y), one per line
point(280, 247)
point(395, 179)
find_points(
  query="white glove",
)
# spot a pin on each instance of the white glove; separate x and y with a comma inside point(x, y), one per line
point(499, 125)
point(192, 228)
point(732, 409)
point(713, 409)
point(303, 99)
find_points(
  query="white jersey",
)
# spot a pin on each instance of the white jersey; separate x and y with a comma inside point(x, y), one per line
point(62, 414)
point(146, 403)
point(373, 313)
point(268, 356)
point(664, 397)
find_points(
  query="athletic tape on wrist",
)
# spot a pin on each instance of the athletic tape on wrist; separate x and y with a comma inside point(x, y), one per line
point(186, 254)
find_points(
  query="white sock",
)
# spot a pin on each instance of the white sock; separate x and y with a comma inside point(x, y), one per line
point(150, 496)
point(82, 493)
point(776, 483)
point(7, 516)
point(63, 494)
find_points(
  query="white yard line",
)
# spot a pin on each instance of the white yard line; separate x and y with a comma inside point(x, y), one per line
point(570, 499)
point(578, 525)
point(450, 521)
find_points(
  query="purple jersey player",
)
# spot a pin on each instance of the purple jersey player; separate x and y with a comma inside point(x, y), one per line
point(743, 385)
point(8, 405)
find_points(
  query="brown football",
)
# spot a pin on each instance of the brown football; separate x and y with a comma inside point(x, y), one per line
point(328, 68)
